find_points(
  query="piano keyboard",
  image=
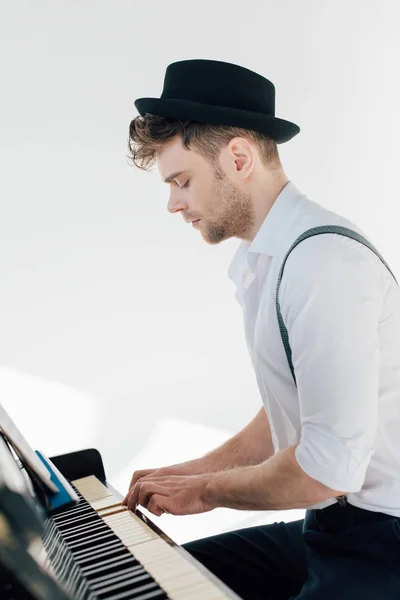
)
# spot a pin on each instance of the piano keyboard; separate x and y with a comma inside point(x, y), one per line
point(122, 557)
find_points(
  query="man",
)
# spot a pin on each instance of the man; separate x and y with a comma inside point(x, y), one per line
point(326, 438)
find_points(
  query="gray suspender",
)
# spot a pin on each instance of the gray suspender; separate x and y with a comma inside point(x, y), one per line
point(309, 233)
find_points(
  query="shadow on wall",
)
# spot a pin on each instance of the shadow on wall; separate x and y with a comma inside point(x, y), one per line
point(57, 418)
point(53, 417)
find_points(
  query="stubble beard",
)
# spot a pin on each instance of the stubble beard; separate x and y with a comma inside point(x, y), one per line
point(232, 213)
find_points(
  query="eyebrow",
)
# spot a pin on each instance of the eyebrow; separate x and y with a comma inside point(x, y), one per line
point(171, 177)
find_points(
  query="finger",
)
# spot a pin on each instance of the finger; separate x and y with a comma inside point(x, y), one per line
point(147, 490)
point(171, 481)
point(137, 494)
point(126, 499)
point(143, 497)
point(163, 480)
point(133, 496)
point(135, 478)
point(159, 504)
point(148, 474)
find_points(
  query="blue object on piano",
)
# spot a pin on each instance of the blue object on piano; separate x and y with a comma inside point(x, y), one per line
point(65, 496)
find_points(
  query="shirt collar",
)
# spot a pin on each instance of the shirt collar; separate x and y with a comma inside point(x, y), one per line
point(273, 238)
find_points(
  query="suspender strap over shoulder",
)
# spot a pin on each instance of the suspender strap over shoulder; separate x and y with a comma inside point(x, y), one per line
point(310, 233)
point(342, 500)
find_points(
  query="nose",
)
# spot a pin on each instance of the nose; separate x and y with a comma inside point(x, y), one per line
point(175, 204)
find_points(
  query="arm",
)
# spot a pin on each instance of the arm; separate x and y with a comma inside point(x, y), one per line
point(251, 446)
point(277, 484)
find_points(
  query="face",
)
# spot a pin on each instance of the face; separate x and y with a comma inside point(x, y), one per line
point(206, 193)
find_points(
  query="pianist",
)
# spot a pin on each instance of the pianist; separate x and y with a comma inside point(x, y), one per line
point(322, 323)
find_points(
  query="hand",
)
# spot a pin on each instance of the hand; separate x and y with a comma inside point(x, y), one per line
point(193, 467)
point(174, 494)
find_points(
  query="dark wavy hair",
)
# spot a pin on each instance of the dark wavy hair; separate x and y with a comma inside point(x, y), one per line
point(147, 135)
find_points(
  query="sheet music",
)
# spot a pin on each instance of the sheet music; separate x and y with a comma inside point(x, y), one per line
point(13, 434)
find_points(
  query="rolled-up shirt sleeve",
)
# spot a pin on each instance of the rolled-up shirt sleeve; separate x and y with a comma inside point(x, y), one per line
point(331, 299)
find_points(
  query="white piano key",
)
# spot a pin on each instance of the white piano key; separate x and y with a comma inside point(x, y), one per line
point(106, 502)
point(176, 575)
point(105, 512)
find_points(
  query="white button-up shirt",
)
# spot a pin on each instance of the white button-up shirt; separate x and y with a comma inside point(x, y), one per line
point(341, 307)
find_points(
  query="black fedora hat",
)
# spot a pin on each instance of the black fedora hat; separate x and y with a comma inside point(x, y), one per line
point(219, 93)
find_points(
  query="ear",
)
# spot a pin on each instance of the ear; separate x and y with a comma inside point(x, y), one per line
point(242, 156)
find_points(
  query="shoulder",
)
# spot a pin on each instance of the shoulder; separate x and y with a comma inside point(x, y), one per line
point(325, 252)
point(331, 269)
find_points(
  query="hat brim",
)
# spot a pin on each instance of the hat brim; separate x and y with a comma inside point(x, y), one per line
point(278, 129)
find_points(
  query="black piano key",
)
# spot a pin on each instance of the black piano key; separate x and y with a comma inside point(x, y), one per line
point(159, 594)
point(129, 592)
point(71, 513)
point(113, 577)
point(74, 533)
point(111, 565)
point(80, 519)
point(93, 560)
point(131, 584)
point(109, 544)
point(109, 561)
point(118, 571)
point(99, 564)
point(128, 595)
point(81, 514)
point(91, 540)
point(84, 557)
point(92, 532)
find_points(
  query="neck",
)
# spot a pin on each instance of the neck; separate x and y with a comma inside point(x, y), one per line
point(264, 197)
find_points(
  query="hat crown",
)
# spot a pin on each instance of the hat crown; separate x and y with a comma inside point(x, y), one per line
point(219, 83)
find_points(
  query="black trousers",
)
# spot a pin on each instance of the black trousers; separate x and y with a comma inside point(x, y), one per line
point(335, 553)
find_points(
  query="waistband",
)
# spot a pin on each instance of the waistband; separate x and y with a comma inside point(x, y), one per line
point(338, 517)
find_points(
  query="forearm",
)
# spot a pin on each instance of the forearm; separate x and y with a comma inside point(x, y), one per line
point(251, 446)
point(279, 483)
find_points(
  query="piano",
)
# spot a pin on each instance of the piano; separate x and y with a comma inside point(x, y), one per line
point(81, 543)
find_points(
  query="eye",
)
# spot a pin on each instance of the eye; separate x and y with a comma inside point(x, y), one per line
point(186, 184)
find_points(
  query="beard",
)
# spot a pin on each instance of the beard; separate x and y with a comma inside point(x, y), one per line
point(231, 212)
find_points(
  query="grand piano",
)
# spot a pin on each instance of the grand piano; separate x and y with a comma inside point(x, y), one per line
point(64, 535)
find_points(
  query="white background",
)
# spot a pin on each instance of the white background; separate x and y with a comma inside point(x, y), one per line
point(118, 325)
